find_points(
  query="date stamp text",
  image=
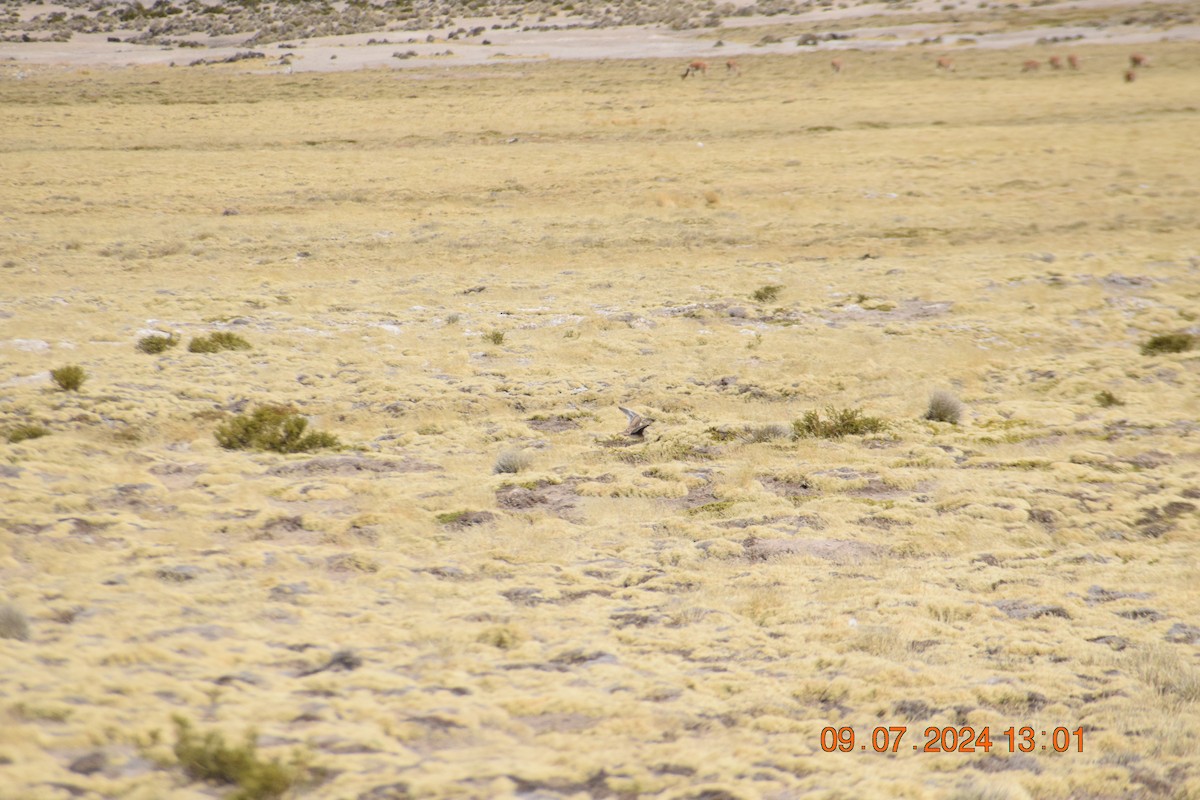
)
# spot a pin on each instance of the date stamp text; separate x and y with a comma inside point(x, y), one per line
point(949, 739)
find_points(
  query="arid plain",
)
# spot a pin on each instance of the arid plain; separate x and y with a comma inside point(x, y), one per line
point(461, 273)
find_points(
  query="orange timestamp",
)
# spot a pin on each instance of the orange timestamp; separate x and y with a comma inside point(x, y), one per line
point(949, 739)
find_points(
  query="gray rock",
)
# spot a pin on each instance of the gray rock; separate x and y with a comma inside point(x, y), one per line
point(290, 591)
point(1183, 634)
point(1019, 609)
point(89, 764)
point(178, 574)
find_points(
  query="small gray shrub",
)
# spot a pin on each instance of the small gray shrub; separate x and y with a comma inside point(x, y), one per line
point(766, 433)
point(944, 407)
point(13, 623)
point(511, 462)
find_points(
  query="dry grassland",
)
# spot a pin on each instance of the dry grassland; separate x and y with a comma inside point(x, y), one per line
point(456, 272)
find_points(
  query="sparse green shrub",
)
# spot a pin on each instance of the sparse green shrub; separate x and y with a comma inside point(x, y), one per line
point(13, 623)
point(206, 757)
point(495, 337)
point(512, 462)
point(156, 344)
point(765, 294)
point(1107, 399)
point(503, 637)
point(723, 433)
point(216, 342)
point(838, 422)
point(944, 407)
point(1168, 343)
point(69, 378)
point(276, 428)
point(22, 432)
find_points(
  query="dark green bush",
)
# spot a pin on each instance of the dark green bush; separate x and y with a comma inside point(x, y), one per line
point(838, 422)
point(1107, 399)
point(156, 344)
point(765, 294)
point(206, 757)
point(1168, 343)
point(276, 428)
point(216, 342)
point(69, 379)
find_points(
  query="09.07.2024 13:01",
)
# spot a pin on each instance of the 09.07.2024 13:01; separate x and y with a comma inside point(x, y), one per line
point(949, 739)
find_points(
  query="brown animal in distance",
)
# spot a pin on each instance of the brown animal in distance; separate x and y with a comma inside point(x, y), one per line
point(1139, 60)
point(1073, 61)
point(1055, 62)
point(733, 66)
point(836, 65)
point(1032, 65)
point(945, 63)
point(695, 67)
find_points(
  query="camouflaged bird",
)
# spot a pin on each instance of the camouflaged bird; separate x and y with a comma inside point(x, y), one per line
point(637, 423)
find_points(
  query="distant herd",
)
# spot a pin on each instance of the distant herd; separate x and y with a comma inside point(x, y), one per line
point(1136, 61)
